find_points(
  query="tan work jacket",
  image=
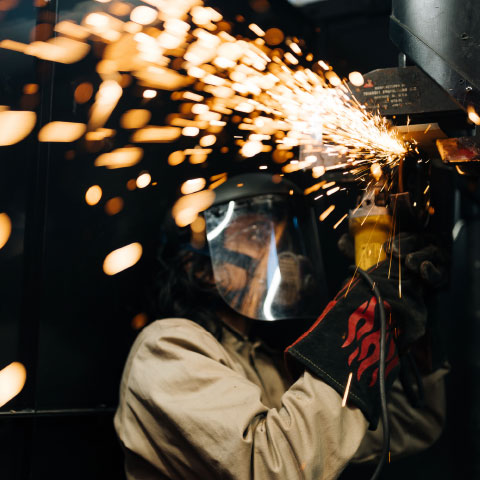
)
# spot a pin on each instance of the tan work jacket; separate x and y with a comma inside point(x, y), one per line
point(194, 408)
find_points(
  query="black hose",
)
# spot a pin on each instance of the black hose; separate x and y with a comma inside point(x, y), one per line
point(383, 396)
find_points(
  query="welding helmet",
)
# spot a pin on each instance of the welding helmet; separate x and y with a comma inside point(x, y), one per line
point(264, 249)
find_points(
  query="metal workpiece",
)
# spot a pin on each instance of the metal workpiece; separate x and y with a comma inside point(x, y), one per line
point(459, 150)
point(442, 37)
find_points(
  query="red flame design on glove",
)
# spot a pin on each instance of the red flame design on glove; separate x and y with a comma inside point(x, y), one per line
point(364, 335)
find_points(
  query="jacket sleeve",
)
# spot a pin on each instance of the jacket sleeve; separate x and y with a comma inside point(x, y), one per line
point(411, 429)
point(188, 413)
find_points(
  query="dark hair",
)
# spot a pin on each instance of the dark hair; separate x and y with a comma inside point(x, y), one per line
point(184, 288)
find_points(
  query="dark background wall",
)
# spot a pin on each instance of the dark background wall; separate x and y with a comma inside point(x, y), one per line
point(71, 325)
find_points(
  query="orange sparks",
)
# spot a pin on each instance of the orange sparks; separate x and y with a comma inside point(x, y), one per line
point(340, 221)
point(122, 258)
point(347, 389)
point(12, 380)
point(5, 228)
point(188, 50)
point(93, 195)
point(326, 213)
point(237, 76)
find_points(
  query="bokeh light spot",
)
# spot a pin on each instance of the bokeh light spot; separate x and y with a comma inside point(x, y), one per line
point(193, 185)
point(135, 118)
point(143, 180)
point(356, 78)
point(5, 229)
point(93, 195)
point(122, 258)
point(139, 321)
point(114, 206)
point(143, 15)
point(15, 126)
point(274, 36)
point(61, 132)
point(176, 158)
point(12, 380)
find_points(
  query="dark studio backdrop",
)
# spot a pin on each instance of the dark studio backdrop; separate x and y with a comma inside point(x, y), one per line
point(71, 325)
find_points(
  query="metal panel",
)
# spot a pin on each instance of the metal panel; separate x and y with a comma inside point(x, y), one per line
point(443, 38)
point(403, 91)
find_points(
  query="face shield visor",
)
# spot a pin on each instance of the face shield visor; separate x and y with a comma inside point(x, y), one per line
point(266, 258)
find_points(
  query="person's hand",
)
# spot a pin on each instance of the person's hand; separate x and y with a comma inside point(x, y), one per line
point(421, 257)
point(345, 338)
point(420, 265)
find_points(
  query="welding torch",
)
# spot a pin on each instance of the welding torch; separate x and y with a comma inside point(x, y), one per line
point(394, 201)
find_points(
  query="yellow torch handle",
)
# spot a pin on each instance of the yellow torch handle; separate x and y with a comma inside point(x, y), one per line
point(370, 234)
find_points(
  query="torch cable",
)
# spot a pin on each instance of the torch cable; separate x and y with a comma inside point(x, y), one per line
point(383, 396)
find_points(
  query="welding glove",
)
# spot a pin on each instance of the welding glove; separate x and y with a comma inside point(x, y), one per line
point(422, 258)
point(429, 262)
point(346, 337)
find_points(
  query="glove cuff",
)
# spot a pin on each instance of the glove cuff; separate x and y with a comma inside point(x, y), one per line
point(333, 348)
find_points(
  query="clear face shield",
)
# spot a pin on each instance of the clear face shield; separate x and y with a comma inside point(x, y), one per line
point(265, 257)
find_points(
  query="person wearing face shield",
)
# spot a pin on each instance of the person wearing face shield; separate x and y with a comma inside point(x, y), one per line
point(205, 396)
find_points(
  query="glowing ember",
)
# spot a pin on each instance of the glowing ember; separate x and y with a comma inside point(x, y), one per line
point(83, 93)
point(376, 171)
point(198, 226)
point(143, 15)
point(340, 221)
point(256, 29)
point(187, 208)
point(151, 134)
point(93, 195)
point(473, 115)
point(356, 78)
point(139, 321)
point(176, 158)
point(30, 88)
point(333, 190)
point(5, 229)
point(61, 132)
point(251, 148)
point(12, 380)
point(143, 180)
point(274, 36)
point(193, 185)
point(114, 206)
point(149, 93)
point(15, 126)
point(323, 65)
point(105, 101)
point(120, 158)
point(208, 140)
point(122, 258)
point(190, 131)
point(136, 118)
point(318, 171)
point(347, 389)
point(326, 213)
point(100, 134)
point(57, 49)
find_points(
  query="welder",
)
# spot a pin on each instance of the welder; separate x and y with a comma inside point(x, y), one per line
point(209, 392)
